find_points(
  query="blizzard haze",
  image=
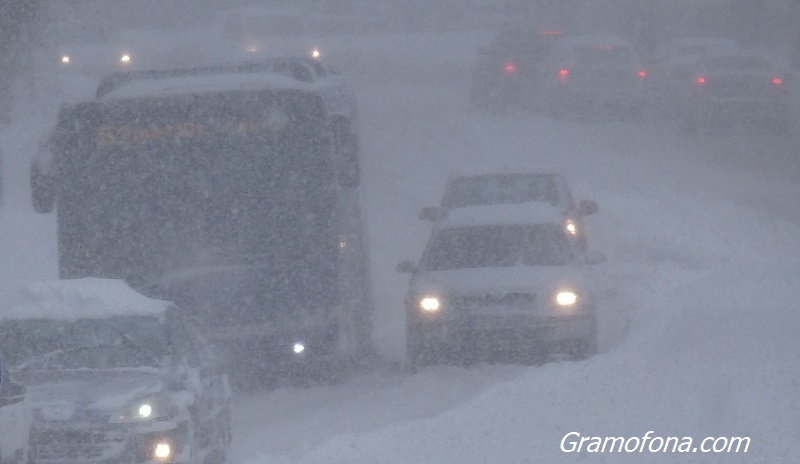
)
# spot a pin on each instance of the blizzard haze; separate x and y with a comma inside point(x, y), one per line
point(697, 299)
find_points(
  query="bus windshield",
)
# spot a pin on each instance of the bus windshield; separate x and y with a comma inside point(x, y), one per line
point(179, 182)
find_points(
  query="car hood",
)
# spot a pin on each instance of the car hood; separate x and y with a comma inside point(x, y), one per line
point(62, 393)
point(517, 279)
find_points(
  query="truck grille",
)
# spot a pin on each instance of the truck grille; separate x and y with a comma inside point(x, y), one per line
point(496, 300)
point(53, 445)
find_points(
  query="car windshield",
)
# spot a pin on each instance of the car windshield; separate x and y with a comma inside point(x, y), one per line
point(501, 189)
point(602, 54)
point(121, 341)
point(498, 246)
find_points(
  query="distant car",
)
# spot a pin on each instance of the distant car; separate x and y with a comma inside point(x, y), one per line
point(90, 48)
point(14, 420)
point(668, 78)
point(507, 72)
point(113, 376)
point(490, 186)
point(588, 75)
point(745, 86)
point(499, 283)
point(271, 30)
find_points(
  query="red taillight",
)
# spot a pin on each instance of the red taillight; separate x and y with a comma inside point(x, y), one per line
point(777, 80)
point(563, 72)
point(701, 80)
point(510, 68)
point(642, 73)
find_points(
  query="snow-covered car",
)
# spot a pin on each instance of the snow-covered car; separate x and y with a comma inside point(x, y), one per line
point(492, 186)
point(499, 282)
point(669, 78)
point(745, 86)
point(508, 71)
point(114, 376)
point(594, 74)
point(14, 419)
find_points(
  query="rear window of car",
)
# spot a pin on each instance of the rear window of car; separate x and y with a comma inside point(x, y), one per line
point(497, 189)
point(602, 54)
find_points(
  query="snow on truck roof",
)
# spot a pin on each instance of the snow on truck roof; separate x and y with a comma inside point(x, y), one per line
point(512, 214)
point(73, 299)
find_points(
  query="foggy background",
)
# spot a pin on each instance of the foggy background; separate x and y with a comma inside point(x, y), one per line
point(24, 24)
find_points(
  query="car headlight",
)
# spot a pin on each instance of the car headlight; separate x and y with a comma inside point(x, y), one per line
point(145, 410)
point(429, 304)
point(65, 59)
point(125, 58)
point(566, 298)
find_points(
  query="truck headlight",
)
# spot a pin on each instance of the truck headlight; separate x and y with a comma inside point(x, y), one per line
point(162, 451)
point(429, 304)
point(144, 410)
point(565, 298)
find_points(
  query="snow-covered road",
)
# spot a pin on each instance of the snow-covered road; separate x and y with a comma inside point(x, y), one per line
point(699, 335)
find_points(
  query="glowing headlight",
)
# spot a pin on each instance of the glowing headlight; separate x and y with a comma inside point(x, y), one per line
point(125, 58)
point(571, 227)
point(299, 348)
point(145, 411)
point(65, 59)
point(430, 304)
point(566, 298)
point(162, 451)
point(149, 409)
point(315, 53)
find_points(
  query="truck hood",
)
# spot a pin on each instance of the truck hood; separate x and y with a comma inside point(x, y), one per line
point(60, 395)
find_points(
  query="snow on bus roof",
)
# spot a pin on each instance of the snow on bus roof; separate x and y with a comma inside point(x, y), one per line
point(87, 298)
point(487, 215)
point(204, 83)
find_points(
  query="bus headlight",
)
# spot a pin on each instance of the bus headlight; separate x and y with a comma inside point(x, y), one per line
point(566, 298)
point(299, 348)
point(429, 304)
